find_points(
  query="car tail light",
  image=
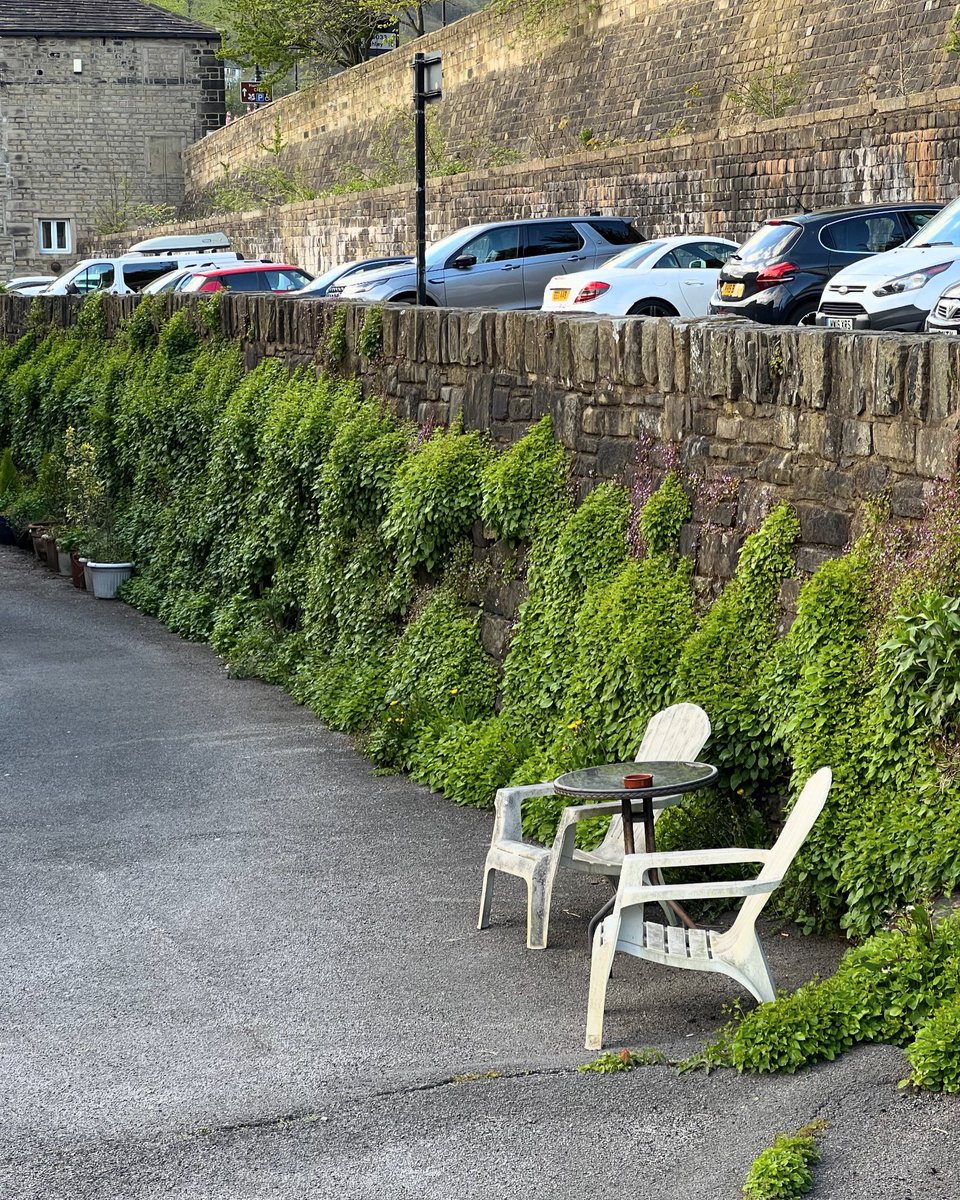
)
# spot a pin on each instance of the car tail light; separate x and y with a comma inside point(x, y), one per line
point(591, 291)
point(781, 273)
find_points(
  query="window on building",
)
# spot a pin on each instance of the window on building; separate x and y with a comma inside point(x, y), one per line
point(53, 235)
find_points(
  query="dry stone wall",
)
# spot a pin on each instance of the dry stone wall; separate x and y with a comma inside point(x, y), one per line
point(823, 420)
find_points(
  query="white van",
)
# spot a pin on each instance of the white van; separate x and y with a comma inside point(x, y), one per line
point(143, 262)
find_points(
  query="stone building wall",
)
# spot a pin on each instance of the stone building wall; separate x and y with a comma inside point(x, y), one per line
point(625, 72)
point(80, 145)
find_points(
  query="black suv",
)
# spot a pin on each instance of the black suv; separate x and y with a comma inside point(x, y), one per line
point(778, 274)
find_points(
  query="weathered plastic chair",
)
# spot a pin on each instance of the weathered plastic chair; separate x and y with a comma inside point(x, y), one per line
point(737, 952)
point(676, 734)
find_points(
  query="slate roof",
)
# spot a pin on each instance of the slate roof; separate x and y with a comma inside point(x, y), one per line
point(97, 18)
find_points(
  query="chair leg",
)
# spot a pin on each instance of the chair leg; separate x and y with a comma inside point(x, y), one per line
point(485, 897)
point(747, 963)
point(601, 964)
point(539, 894)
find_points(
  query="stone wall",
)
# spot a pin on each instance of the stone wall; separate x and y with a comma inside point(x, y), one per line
point(821, 419)
point(624, 72)
point(84, 145)
point(868, 151)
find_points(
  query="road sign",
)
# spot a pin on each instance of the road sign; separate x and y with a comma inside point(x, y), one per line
point(254, 93)
point(385, 39)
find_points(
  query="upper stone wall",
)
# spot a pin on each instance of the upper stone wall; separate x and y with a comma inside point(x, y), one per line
point(869, 151)
point(627, 72)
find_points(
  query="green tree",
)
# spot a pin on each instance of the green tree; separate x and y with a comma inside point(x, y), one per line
point(277, 34)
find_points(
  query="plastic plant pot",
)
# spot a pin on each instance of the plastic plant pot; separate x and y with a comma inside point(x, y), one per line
point(107, 577)
point(63, 562)
point(87, 576)
point(76, 570)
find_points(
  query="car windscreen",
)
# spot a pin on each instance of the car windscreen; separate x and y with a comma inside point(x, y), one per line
point(635, 255)
point(768, 244)
point(941, 230)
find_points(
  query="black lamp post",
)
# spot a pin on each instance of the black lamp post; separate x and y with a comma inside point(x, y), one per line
point(426, 88)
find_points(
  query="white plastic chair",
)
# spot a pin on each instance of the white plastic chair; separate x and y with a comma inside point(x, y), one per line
point(737, 952)
point(676, 734)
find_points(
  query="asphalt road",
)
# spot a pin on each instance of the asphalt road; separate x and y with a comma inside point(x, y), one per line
point(236, 964)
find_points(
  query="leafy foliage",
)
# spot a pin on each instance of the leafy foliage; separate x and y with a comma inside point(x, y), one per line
point(900, 984)
point(782, 1171)
point(614, 1062)
point(524, 490)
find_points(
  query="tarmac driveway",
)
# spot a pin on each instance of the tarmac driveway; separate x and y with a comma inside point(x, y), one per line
point(237, 964)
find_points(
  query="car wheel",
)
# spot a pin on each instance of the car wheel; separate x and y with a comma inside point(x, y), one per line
point(652, 308)
point(803, 314)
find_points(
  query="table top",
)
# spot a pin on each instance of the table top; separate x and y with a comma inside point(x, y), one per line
point(605, 782)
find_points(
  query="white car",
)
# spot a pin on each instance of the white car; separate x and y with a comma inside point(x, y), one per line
point(29, 285)
point(666, 277)
point(897, 289)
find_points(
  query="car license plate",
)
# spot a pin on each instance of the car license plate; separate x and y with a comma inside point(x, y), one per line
point(731, 291)
point(839, 322)
point(560, 294)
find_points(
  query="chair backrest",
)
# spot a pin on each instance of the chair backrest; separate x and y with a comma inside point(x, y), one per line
point(808, 807)
point(675, 734)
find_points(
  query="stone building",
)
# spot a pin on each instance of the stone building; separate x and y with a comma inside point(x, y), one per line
point(98, 99)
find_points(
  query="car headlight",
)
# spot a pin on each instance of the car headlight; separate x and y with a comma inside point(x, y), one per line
point(911, 282)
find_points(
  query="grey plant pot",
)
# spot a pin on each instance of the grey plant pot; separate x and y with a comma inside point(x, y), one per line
point(107, 577)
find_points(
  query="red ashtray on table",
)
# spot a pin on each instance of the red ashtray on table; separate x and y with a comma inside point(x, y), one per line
point(640, 780)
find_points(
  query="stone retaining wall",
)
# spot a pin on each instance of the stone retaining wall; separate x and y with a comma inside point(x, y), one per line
point(823, 420)
point(623, 72)
point(891, 150)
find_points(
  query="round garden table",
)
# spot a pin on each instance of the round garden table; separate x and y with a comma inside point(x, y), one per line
point(670, 781)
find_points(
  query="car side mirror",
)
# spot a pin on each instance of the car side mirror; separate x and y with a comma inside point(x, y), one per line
point(463, 261)
point(72, 289)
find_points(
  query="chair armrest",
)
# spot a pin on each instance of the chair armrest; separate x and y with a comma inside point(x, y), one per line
point(722, 889)
point(507, 823)
point(635, 866)
point(583, 812)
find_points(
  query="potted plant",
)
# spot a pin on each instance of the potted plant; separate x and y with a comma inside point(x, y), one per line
point(68, 546)
point(9, 487)
point(108, 565)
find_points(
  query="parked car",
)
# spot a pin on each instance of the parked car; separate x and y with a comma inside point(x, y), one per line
point(899, 289)
point(779, 273)
point(503, 264)
point(250, 277)
point(944, 317)
point(667, 277)
point(29, 285)
point(331, 283)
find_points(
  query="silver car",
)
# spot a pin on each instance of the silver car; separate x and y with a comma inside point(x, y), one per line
point(504, 264)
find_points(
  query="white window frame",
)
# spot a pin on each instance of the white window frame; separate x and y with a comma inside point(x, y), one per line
point(56, 227)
